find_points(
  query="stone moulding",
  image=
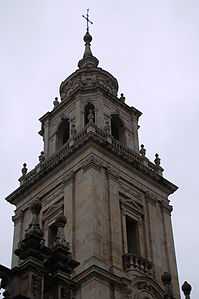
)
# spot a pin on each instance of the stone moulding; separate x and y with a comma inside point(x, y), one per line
point(146, 287)
point(97, 272)
point(166, 208)
point(91, 162)
point(99, 137)
point(150, 197)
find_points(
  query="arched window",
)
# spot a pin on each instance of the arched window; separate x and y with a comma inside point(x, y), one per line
point(87, 109)
point(63, 132)
point(117, 128)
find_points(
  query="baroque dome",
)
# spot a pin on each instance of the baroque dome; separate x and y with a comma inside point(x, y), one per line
point(88, 76)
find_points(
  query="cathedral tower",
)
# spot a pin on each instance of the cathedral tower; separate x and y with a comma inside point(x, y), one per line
point(94, 175)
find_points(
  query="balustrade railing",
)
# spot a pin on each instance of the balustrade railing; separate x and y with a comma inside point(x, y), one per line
point(126, 150)
point(119, 147)
point(134, 262)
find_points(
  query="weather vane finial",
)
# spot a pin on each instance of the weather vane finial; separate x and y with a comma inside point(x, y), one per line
point(87, 20)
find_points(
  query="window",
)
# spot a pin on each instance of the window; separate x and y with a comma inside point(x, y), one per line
point(132, 235)
point(63, 133)
point(117, 128)
point(52, 233)
point(87, 109)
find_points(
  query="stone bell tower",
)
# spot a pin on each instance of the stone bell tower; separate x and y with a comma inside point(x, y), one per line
point(93, 174)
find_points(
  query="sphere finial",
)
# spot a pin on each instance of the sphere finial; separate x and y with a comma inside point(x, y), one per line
point(87, 38)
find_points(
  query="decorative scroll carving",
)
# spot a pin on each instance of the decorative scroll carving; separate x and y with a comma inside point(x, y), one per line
point(145, 286)
point(86, 81)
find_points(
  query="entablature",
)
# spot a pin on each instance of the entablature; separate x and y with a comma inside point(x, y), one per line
point(91, 133)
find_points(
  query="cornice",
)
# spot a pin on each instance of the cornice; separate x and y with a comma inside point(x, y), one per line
point(97, 136)
point(165, 208)
point(112, 174)
point(151, 198)
point(68, 178)
point(91, 162)
point(18, 217)
point(95, 271)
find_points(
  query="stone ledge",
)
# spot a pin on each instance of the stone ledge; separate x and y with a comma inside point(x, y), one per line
point(97, 272)
point(116, 148)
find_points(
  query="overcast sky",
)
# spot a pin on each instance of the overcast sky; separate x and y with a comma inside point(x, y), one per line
point(151, 47)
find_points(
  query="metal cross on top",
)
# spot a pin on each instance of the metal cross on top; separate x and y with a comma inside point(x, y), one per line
point(87, 20)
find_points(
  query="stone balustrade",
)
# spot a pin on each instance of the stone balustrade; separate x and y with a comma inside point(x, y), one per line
point(137, 263)
point(114, 145)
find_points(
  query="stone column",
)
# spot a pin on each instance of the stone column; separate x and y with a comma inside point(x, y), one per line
point(169, 247)
point(69, 207)
point(114, 213)
point(46, 138)
point(135, 133)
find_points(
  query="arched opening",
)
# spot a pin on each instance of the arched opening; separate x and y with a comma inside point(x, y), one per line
point(117, 128)
point(63, 133)
point(87, 109)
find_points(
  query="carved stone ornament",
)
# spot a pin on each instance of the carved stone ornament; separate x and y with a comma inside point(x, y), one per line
point(145, 286)
point(122, 98)
point(127, 292)
point(56, 102)
point(144, 295)
point(24, 170)
point(73, 131)
point(88, 80)
point(41, 157)
point(186, 288)
point(157, 160)
point(166, 279)
point(91, 116)
point(142, 151)
point(36, 284)
point(107, 127)
point(146, 290)
point(34, 227)
point(60, 240)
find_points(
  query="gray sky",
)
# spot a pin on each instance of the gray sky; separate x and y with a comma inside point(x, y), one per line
point(151, 47)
